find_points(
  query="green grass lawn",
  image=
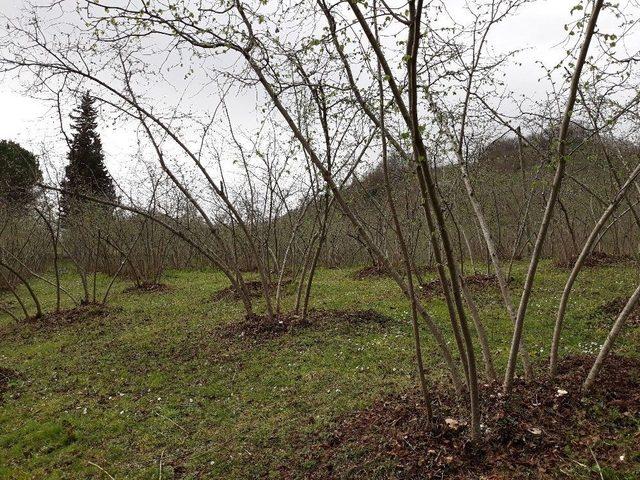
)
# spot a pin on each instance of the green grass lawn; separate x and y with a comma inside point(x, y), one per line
point(150, 391)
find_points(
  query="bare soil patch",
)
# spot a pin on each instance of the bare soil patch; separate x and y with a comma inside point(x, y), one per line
point(478, 281)
point(149, 288)
point(372, 271)
point(70, 316)
point(261, 327)
point(614, 307)
point(525, 436)
point(254, 289)
point(595, 259)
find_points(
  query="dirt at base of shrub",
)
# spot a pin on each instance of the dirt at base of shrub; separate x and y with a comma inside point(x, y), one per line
point(477, 281)
point(69, 316)
point(372, 271)
point(614, 307)
point(149, 288)
point(595, 259)
point(524, 436)
point(259, 326)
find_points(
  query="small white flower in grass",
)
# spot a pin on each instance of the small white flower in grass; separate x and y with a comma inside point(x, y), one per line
point(622, 458)
point(84, 411)
point(561, 393)
point(452, 423)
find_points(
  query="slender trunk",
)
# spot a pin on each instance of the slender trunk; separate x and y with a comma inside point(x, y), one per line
point(505, 291)
point(565, 214)
point(611, 338)
point(283, 266)
point(95, 266)
point(113, 279)
point(54, 235)
point(312, 271)
point(482, 334)
point(10, 313)
point(586, 251)
point(468, 245)
point(303, 275)
point(15, 294)
point(81, 273)
point(403, 249)
point(316, 256)
point(555, 190)
point(125, 259)
point(45, 280)
point(420, 155)
point(36, 301)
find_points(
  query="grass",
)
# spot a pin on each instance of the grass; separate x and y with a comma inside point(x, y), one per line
point(150, 391)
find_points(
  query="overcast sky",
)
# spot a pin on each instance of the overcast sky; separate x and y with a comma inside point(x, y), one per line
point(538, 28)
point(33, 125)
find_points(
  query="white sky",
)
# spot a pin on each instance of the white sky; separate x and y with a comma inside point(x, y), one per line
point(539, 28)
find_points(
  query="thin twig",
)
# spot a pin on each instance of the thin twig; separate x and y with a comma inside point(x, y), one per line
point(99, 467)
point(597, 464)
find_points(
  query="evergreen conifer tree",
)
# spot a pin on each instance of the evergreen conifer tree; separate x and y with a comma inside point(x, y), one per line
point(86, 172)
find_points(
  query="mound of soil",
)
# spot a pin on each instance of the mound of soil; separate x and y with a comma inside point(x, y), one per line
point(74, 315)
point(6, 376)
point(524, 436)
point(595, 259)
point(379, 271)
point(478, 281)
point(373, 271)
point(615, 306)
point(254, 288)
point(258, 326)
point(149, 288)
